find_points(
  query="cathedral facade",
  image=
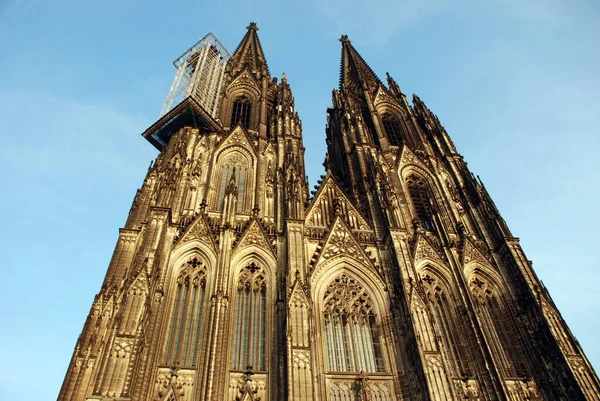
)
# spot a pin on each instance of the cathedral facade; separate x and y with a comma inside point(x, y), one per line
point(395, 279)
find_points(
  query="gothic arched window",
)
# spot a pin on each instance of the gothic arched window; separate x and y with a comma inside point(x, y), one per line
point(236, 166)
point(240, 113)
point(421, 200)
point(393, 129)
point(450, 324)
point(186, 316)
point(250, 317)
point(500, 326)
point(351, 330)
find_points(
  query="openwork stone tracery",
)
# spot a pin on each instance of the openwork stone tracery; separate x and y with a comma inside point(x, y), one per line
point(249, 339)
point(186, 318)
point(351, 329)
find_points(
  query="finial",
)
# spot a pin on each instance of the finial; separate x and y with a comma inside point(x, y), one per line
point(344, 39)
point(283, 77)
point(252, 26)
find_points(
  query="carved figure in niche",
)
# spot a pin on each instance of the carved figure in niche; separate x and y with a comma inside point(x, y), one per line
point(469, 389)
point(529, 389)
point(269, 181)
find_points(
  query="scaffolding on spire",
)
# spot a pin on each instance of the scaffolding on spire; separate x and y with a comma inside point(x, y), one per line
point(199, 75)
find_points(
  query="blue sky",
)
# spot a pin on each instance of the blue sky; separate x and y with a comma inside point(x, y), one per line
point(516, 86)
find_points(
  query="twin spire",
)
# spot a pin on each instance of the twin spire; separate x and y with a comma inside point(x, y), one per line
point(355, 73)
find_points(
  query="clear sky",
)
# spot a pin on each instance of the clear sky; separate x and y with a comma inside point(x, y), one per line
point(515, 83)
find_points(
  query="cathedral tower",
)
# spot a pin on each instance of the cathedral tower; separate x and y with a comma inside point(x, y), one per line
point(397, 279)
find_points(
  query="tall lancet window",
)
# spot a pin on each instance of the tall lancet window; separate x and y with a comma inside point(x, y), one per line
point(186, 316)
point(500, 326)
point(250, 318)
point(450, 324)
point(419, 194)
point(393, 129)
point(351, 329)
point(234, 165)
point(242, 106)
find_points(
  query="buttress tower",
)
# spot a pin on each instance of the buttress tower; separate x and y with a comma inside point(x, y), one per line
point(395, 279)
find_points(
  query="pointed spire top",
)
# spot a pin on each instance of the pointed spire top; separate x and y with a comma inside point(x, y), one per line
point(355, 74)
point(249, 53)
point(393, 85)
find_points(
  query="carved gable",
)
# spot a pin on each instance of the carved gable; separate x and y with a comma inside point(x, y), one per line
point(197, 231)
point(409, 157)
point(425, 250)
point(298, 296)
point(382, 97)
point(254, 236)
point(244, 80)
point(239, 137)
point(321, 212)
point(341, 243)
point(472, 253)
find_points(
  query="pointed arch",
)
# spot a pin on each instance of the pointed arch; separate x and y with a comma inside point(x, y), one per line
point(250, 317)
point(234, 162)
point(352, 334)
point(421, 198)
point(133, 304)
point(497, 315)
point(243, 95)
point(186, 313)
point(252, 285)
point(393, 128)
point(415, 167)
point(241, 111)
point(350, 308)
point(448, 318)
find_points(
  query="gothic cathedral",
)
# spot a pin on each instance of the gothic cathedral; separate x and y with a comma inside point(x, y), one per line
point(396, 279)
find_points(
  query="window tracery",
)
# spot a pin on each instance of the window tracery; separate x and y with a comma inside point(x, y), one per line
point(351, 329)
point(421, 199)
point(449, 322)
point(241, 111)
point(249, 337)
point(393, 129)
point(235, 166)
point(499, 322)
point(186, 316)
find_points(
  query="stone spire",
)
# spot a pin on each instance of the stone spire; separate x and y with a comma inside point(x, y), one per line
point(249, 53)
point(355, 73)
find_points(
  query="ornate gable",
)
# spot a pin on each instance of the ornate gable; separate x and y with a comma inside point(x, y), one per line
point(409, 157)
point(425, 250)
point(341, 243)
point(237, 137)
point(330, 195)
point(297, 294)
point(139, 284)
point(383, 98)
point(244, 80)
point(197, 231)
point(472, 253)
point(254, 236)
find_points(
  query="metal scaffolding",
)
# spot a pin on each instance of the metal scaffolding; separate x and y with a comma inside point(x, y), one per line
point(199, 74)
